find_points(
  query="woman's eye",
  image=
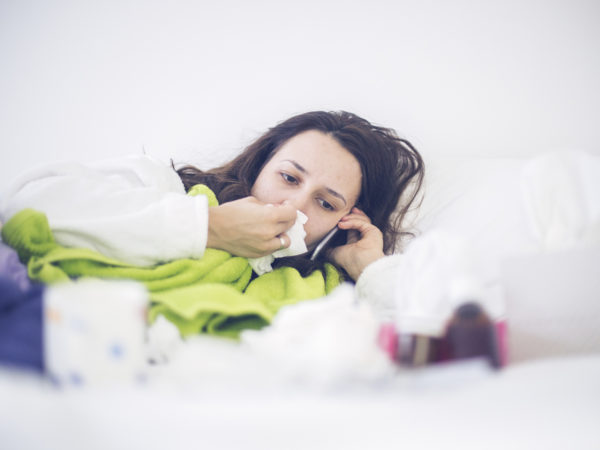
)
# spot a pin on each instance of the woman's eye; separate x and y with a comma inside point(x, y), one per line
point(326, 205)
point(289, 179)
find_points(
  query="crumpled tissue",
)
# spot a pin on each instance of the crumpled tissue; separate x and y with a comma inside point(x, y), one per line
point(326, 341)
point(162, 340)
point(297, 246)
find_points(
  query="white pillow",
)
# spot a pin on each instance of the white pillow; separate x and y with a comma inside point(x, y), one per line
point(514, 206)
point(478, 199)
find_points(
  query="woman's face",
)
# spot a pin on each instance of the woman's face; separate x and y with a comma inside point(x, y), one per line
point(316, 175)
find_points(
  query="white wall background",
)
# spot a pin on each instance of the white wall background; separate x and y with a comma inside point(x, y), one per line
point(85, 80)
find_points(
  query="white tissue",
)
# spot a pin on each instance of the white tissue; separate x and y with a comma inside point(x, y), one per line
point(323, 341)
point(297, 246)
point(163, 340)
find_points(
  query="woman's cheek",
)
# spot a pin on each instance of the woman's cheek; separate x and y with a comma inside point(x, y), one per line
point(316, 229)
point(309, 239)
point(309, 227)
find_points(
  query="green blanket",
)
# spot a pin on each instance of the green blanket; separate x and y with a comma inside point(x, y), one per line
point(212, 295)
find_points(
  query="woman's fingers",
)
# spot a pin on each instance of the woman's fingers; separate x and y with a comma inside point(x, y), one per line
point(356, 223)
point(356, 212)
point(281, 217)
point(364, 244)
point(280, 242)
point(247, 227)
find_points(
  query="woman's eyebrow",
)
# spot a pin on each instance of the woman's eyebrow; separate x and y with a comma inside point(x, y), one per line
point(337, 194)
point(303, 170)
point(298, 166)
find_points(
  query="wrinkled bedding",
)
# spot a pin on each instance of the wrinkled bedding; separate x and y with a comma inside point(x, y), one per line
point(316, 379)
point(548, 404)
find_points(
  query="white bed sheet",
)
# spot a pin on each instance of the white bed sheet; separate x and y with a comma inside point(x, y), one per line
point(547, 404)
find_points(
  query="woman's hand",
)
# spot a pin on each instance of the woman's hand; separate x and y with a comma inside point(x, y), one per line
point(249, 228)
point(364, 245)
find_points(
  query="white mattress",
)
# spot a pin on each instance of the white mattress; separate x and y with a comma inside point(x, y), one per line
point(548, 404)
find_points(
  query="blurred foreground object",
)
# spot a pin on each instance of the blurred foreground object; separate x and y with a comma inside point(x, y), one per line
point(94, 332)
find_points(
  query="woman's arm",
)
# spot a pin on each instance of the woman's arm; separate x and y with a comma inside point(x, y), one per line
point(363, 258)
point(133, 209)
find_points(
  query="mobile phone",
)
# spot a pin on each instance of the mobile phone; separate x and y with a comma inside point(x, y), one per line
point(324, 242)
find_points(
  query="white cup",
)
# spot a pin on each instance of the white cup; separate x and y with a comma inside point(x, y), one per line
point(94, 332)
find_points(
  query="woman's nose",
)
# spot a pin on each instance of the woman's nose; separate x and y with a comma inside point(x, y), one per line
point(300, 202)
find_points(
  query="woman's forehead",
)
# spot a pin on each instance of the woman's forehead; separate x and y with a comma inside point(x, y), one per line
point(320, 155)
point(316, 146)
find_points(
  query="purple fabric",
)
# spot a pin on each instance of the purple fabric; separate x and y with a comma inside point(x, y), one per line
point(11, 267)
point(20, 314)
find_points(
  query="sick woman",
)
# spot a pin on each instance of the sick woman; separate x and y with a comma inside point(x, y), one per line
point(335, 168)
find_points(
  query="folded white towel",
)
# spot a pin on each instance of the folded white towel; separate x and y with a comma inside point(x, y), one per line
point(297, 246)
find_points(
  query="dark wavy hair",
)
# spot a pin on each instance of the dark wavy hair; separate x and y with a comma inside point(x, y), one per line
point(392, 172)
